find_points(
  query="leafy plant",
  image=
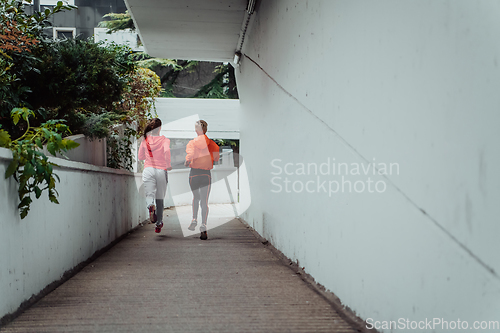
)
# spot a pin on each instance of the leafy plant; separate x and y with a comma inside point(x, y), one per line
point(30, 167)
point(138, 101)
point(119, 150)
point(225, 142)
point(117, 21)
point(148, 62)
point(78, 78)
point(136, 106)
point(98, 125)
point(222, 86)
point(49, 89)
point(22, 33)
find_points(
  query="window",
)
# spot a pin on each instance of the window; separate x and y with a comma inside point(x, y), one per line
point(63, 33)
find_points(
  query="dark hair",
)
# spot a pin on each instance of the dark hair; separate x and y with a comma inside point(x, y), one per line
point(151, 125)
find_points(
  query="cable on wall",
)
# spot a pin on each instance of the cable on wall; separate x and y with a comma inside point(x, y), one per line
point(460, 244)
point(246, 21)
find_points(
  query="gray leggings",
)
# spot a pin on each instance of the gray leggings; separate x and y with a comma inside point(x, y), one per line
point(155, 187)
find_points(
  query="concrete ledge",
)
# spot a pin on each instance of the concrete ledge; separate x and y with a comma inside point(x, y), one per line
point(62, 163)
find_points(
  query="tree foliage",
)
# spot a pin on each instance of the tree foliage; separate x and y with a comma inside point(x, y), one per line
point(136, 106)
point(222, 86)
point(117, 21)
point(78, 78)
point(138, 101)
point(50, 89)
point(21, 35)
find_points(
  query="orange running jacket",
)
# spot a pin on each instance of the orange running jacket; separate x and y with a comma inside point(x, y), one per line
point(202, 152)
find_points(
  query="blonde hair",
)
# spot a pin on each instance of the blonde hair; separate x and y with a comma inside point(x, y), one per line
point(203, 124)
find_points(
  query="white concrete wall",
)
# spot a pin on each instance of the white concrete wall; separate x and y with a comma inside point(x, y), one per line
point(179, 114)
point(224, 188)
point(124, 37)
point(97, 205)
point(408, 82)
point(89, 151)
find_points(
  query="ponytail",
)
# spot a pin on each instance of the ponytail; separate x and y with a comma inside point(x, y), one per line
point(152, 124)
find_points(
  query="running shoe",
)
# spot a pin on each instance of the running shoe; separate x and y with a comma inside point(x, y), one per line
point(158, 227)
point(193, 224)
point(152, 214)
point(203, 229)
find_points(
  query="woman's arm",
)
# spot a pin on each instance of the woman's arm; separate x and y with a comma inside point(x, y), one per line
point(189, 153)
point(142, 151)
point(167, 154)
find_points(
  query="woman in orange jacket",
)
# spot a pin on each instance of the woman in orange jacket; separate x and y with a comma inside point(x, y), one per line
point(201, 154)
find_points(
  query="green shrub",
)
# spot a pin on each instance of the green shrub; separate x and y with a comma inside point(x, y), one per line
point(119, 149)
point(136, 106)
point(62, 87)
point(78, 78)
point(21, 36)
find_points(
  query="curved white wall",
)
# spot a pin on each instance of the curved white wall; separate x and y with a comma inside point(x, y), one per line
point(407, 82)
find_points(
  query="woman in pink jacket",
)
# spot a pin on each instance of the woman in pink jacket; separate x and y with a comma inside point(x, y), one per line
point(155, 150)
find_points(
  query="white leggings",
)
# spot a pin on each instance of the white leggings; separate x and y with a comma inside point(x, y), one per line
point(155, 187)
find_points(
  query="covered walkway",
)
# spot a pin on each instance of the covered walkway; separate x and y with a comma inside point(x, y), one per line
point(169, 283)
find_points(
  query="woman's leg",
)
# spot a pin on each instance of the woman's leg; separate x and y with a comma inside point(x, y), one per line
point(161, 190)
point(149, 181)
point(200, 181)
point(193, 183)
point(205, 181)
point(159, 211)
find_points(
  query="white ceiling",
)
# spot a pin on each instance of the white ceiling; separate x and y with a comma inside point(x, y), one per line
point(189, 29)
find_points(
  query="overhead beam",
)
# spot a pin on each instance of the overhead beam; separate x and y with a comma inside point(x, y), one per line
point(189, 29)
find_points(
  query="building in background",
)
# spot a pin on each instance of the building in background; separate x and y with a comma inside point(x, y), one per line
point(83, 21)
